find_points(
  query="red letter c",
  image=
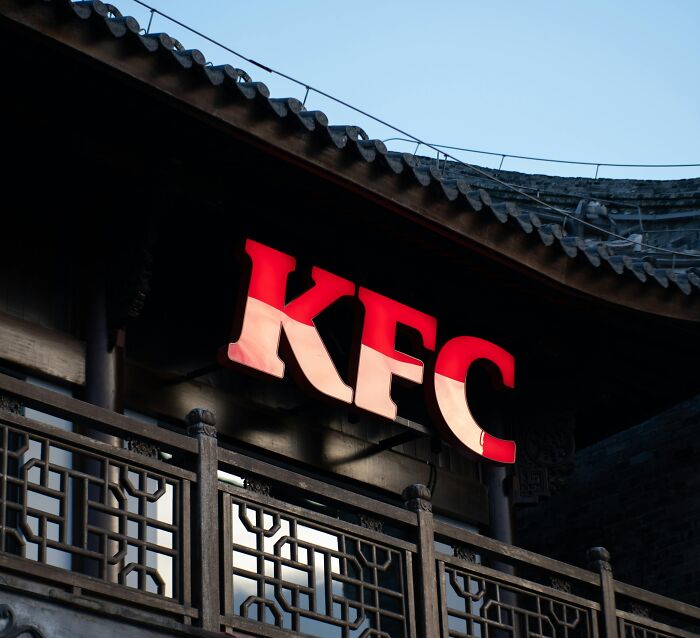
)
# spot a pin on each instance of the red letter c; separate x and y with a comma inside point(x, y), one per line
point(451, 367)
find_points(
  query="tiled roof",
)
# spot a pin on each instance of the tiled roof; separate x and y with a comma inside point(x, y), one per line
point(650, 214)
point(659, 214)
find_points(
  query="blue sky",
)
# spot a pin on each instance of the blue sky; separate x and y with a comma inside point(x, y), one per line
point(596, 81)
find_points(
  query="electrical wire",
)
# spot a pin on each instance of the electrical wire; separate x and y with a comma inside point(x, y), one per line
point(542, 159)
point(417, 140)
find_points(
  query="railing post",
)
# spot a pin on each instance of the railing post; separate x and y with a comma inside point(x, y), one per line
point(201, 424)
point(599, 560)
point(417, 498)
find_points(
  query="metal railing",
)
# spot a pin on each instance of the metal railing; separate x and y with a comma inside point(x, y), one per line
point(188, 531)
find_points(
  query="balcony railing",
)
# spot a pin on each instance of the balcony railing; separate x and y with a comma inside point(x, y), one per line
point(176, 530)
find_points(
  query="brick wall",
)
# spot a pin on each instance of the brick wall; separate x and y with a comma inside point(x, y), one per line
point(637, 494)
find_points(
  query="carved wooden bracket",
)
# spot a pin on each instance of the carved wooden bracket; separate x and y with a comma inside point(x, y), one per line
point(546, 452)
point(369, 522)
point(10, 404)
point(256, 486)
point(144, 448)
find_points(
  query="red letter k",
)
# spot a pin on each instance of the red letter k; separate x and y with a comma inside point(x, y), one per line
point(266, 315)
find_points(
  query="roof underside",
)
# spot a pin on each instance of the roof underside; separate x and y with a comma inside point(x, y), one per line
point(604, 238)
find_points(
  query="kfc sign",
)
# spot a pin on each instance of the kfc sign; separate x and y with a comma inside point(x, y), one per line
point(267, 313)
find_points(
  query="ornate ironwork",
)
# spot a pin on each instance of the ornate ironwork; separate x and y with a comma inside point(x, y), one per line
point(305, 577)
point(129, 533)
point(477, 606)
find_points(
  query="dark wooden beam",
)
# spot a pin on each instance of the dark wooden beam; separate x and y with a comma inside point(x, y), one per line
point(41, 350)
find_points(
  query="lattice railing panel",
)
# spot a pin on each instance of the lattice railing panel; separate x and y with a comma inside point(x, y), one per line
point(633, 630)
point(303, 576)
point(102, 516)
point(80, 519)
point(475, 605)
point(642, 627)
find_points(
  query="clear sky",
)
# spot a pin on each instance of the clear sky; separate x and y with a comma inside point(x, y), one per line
point(594, 80)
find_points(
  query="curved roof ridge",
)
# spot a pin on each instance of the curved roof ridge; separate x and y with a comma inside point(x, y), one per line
point(644, 192)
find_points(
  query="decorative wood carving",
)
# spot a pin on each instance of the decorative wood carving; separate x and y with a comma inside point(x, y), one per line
point(546, 457)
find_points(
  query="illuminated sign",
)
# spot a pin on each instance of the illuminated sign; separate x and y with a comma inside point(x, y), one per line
point(267, 314)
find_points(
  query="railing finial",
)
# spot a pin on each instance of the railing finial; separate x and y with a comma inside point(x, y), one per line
point(599, 559)
point(418, 497)
point(201, 421)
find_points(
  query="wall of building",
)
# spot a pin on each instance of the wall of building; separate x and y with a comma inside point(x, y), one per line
point(637, 494)
point(49, 612)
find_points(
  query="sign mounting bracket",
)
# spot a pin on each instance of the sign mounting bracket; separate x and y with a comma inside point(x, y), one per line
point(413, 431)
